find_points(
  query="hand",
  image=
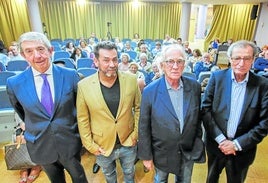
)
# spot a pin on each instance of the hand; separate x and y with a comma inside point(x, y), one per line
point(148, 164)
point(227, 147)
point(100, 151)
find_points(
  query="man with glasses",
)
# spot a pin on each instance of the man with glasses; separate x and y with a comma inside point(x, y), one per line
point(170, 127)
point(235, 115)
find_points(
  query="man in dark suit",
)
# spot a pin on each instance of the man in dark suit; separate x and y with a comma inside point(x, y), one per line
point(235, 115)
point(170, 126)
point(51, 129)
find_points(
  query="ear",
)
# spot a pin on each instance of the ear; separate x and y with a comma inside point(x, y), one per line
point(96, 62)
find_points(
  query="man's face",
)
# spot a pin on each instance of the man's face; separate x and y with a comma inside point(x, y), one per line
point(241, 60)
point(173, 65)
point(37, 54)
point(107, 62)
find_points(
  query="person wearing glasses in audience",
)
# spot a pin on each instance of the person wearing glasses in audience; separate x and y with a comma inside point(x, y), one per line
point(235, 115)
point(170, 133)
point(108, 108)
point(44, 97)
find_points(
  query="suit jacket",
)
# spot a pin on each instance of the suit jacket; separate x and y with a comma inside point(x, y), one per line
point(97, 125)
point(160, 138)
point(47, 136)
point(253, 123)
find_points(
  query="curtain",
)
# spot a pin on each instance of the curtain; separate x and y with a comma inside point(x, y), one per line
point(67, 19)
point(231, 21)
point(14, 20)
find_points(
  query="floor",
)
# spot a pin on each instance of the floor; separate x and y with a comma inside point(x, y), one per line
point(258, 172)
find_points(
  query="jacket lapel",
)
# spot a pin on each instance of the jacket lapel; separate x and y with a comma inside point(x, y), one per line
point(58, 87)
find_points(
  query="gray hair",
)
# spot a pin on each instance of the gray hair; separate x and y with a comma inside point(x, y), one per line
point(125, 54)
point(34, 36)
point(242, 44)
point(169, 47)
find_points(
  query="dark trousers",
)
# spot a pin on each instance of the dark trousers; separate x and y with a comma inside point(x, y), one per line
point(235, 172)
point(55, 171)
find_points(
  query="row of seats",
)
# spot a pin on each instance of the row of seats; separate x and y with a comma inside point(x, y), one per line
point(14, 65)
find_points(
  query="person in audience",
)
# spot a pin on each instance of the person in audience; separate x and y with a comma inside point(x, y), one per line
point(78, 53)
point(27, 175)
point(124, 64)
point(157, 49)
point(261, 65)
point(70, 47)
point(179, 40)
point(144, 64)
point(3, 49)
point(188, 50)
point(134, 69)
point(168, 40)
point(119, 44)
point(204, 65)
point(263, 49)
point(14, 54)
point(170, 133)
point(127, 47)
point(136, 38)
point(4, 59)
point(143, 50)
point(84, 47)
point(49, 115)
point(235, 115)
point(214, 45)
point(93, 38)
point(108, 103)
point(197, 56)
point(153, 75)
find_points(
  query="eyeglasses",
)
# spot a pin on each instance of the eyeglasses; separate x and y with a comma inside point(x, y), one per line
point(171, 62)
point(246, 60)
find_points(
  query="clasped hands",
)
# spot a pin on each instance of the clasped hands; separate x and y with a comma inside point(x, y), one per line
point(227, 147)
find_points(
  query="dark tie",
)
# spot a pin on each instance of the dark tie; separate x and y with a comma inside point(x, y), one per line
point(46, 97)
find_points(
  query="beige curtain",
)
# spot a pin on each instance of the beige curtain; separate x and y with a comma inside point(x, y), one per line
point(13, 20)
point(231, 21)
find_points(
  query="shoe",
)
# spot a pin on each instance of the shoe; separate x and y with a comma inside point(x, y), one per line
point(23, 176)
point(35, 171)
point(95, 168)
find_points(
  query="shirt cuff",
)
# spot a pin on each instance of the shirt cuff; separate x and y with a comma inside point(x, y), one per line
point(220, 138)
point(237, 145)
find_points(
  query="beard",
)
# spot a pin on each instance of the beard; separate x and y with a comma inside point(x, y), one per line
point(109, 73)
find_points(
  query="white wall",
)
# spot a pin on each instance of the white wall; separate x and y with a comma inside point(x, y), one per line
point(261, 34)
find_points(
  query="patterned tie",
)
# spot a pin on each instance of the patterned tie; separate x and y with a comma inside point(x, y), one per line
point(46, 97)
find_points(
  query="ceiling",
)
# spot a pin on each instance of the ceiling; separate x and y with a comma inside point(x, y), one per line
point(201, 1)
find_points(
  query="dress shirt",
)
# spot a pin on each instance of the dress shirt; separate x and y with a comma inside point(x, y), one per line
point(38, 81)
point(176, 97)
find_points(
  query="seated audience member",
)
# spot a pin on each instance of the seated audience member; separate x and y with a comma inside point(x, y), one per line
point(204, 65)
point(119, 44)
point(214, 45)
point(263, 49)
point(153, 75)
point(93, 38)
point(261, 65)
point(124, 64)
point(136, 38)
point(228, 42)
point(78, 54)
point(144, 64)
point(3, 49)
point(69, 47)
point(14, 53)
point(179, 40)
point(157, 49)
point(127, 47)
point(143, 50)
point(168, 40)
point(4, 59)
point(84, 47)
point(197, 56)
point(133, 68)
point(187, 49)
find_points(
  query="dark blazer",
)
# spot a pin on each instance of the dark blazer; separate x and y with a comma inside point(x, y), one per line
point(253, 123)
point(159, 130)
point(46, 136)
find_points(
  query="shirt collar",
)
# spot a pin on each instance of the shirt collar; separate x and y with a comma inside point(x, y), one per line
point(169, 87)
point(48, 72)
point(234, 80)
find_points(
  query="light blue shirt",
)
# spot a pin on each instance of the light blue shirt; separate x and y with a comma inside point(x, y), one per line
point(237, 101)
point(176, 97)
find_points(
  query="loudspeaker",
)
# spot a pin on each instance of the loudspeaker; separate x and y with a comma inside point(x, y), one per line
point(254, 11)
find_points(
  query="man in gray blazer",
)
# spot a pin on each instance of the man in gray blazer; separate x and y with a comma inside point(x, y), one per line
point(235, 115)
point(51, 129)
point(170, 126)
